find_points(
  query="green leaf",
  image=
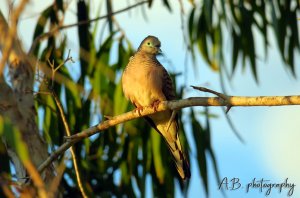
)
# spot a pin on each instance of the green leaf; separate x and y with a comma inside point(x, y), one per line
point(215, 166)
point(4, 158)
point(201, 145)
point(191, 33)
point(201, 36)
point(50, 124)
point(150, 3)
point(84, 39)
point(132, 156)
point(14, 140)
point(147, 153)
point(157, 158)
point(208, 13)
point(167, 4)
point(125, 173)
point(120, 103)
point(291, 57)
point(191, 25)
point(40, 26)
point(60, 5)
point(109, 11)
point(252, 56)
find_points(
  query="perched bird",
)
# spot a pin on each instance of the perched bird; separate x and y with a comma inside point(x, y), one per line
point(145, 83)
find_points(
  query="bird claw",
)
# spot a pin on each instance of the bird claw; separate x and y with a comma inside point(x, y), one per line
point(155, 105)
point(139, 109)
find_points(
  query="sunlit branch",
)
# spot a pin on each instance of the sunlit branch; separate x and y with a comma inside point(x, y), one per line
point(233, 101)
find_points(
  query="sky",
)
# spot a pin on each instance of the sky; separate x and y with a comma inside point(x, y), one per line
point(271, 134)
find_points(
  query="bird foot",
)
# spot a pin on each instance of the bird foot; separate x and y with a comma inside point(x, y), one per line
point(139, 109)
point(155, 105)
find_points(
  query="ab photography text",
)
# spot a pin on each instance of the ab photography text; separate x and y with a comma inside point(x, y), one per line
point(262, 185)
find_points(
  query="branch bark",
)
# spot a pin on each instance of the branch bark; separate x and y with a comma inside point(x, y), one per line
point(17, 103)
point(233, 101)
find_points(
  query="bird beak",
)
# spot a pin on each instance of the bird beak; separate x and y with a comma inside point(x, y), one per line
point(159, 50)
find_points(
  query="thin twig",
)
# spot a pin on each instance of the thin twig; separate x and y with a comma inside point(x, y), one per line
point(65, 123)
point(58, 28)
point(54, 186)
point(223, 96)
point(54, 69)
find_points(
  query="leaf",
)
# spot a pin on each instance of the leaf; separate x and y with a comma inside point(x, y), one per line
point(106, 46)
point(280, 28)
point(120, 103)
point(40, 26)
point(199, 137)
point(147, 153)
point(14, 140)
point(50, 123)
point(191, 33)
point(208, 13)
point(294, 29)
point(252, 55)
point(201, 36)
point(84, 39)
point(4, 158)
point(132, 156)
point(291, 57)
point(158, 164)
point(109, 11)
point(60, 5)
point(125, 177)
point(150, 3)
point(167, 4)
point(191, 25)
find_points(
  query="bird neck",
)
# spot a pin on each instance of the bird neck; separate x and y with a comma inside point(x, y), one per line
point(146, 55)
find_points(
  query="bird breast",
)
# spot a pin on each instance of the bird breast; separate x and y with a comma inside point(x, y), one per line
point(142, 83)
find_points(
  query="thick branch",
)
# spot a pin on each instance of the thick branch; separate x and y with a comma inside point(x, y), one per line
point(173, 105)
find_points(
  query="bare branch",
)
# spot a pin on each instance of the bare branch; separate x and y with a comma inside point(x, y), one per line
point(65, 123)
point(17, 103)
point(223, 96)
point(56, 181)
point(173, 105)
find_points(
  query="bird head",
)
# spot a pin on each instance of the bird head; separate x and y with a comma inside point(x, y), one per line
point(150, 45)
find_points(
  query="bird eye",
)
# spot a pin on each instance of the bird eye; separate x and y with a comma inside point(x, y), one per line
point(148, 43)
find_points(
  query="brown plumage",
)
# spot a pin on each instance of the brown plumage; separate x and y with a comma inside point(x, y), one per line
point(145, 82)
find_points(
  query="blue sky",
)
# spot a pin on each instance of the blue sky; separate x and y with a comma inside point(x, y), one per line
point(272, 134)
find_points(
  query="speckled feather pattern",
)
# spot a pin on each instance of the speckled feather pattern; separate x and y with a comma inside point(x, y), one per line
point(146, 81)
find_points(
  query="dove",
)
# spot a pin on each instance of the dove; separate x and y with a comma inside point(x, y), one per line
point(146, 82)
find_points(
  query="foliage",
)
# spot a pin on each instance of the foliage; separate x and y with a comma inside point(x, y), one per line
point(245, 20)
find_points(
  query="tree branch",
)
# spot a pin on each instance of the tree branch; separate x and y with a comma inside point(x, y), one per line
point(65, 123)
point(11, 33)
point(17, 103)
point(233, 101)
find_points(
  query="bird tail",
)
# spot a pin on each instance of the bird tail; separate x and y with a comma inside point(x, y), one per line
point(181, 162)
